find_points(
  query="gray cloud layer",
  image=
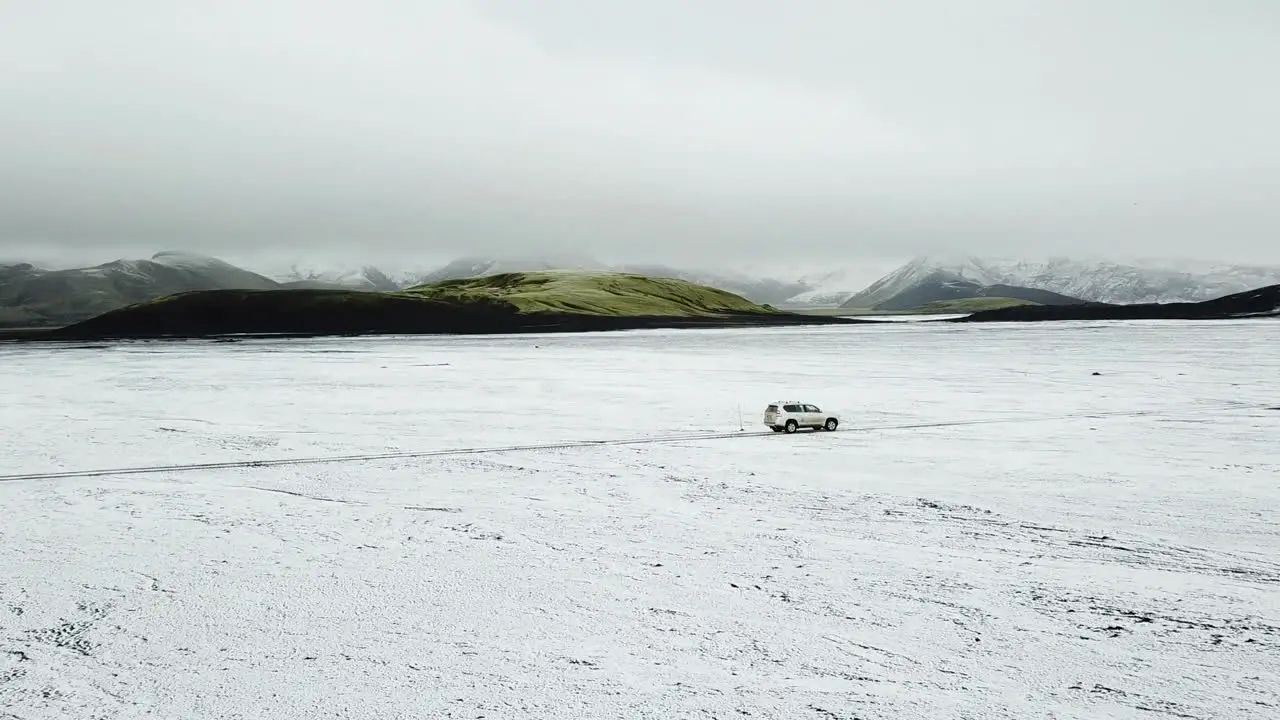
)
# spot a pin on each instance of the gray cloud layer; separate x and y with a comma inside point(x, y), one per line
point(661, 129)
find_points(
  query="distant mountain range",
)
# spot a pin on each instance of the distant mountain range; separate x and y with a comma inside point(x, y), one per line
point(1154, 282)
point(1059, 280)
point(1252, 304)
point(34, 296)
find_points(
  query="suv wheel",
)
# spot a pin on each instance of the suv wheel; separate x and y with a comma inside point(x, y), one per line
point(832, 424)
point(792, 426)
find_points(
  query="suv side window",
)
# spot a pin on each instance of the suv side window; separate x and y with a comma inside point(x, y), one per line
point(812, 409)
point(791, 408)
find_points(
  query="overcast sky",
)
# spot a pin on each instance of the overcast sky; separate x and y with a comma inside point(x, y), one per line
point(647, 129)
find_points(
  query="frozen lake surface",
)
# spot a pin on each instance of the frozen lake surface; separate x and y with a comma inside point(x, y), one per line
point(997, 532)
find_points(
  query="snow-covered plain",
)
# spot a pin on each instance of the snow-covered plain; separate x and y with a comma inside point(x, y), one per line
point(1016, 559)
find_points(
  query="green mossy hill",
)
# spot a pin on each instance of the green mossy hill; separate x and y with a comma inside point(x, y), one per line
point(965, 305)
point(592, 293)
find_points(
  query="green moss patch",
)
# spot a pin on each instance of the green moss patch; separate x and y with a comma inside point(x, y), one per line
point(977, 304)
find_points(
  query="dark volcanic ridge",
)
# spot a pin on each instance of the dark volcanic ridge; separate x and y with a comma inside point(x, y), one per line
point(1263, 302)
point(311, 313)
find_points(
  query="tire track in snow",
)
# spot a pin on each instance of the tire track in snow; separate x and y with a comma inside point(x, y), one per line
point(572, 444)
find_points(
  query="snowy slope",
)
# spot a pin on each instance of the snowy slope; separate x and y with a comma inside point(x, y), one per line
point(1008, 536)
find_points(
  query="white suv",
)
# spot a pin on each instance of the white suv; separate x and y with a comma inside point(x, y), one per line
point(790, 416)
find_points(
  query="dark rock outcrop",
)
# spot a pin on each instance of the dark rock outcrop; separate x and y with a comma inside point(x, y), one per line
point(345, 312)
point(1263, 302)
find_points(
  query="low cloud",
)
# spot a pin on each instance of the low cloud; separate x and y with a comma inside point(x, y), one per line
point(657, 131)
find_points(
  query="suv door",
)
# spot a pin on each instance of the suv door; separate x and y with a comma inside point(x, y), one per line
point(813, 416)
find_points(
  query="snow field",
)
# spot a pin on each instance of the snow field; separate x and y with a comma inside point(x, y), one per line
point(1052, 566)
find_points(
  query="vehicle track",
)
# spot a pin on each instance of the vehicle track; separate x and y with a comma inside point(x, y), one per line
point(570, 444)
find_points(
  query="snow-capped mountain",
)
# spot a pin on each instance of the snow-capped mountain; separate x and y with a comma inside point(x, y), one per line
point(361, 278)
point(190, 271)
point(916, 271)
point(1148, 282)
point(36, 296)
